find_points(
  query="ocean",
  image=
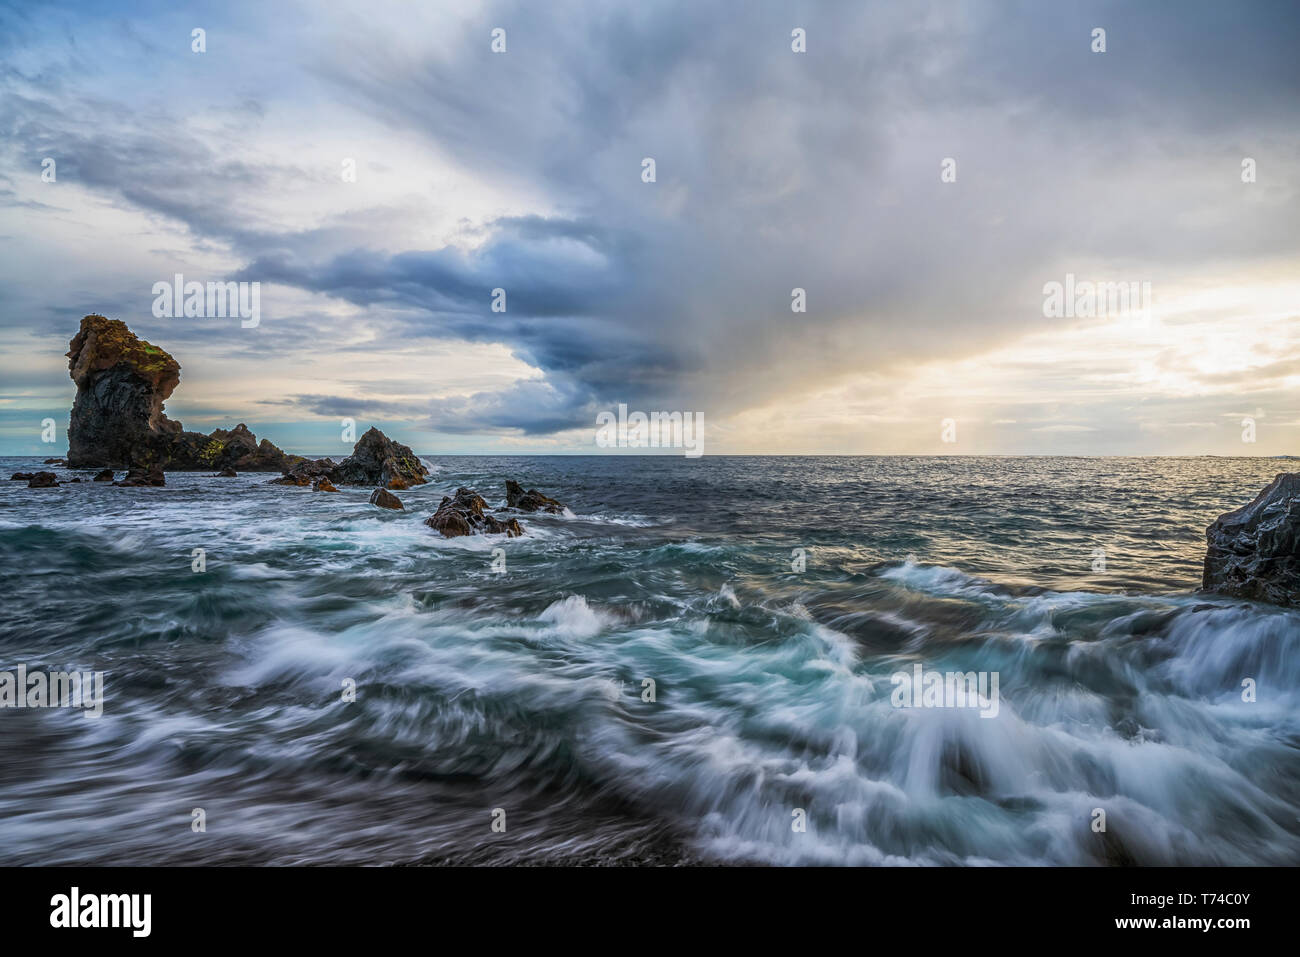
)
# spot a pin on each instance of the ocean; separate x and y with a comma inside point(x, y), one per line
point(695, 665)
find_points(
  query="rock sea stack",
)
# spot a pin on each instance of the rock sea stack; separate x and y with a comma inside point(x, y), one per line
point(378, 460)
point(375, 460)
point(1254, 552)
point(463, 514)
point(117, 416)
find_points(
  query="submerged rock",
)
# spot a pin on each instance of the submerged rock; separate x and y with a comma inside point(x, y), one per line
point(530, 501)
point(227, 473)
point(385, 499)
point(43, 480)
point(143, 476)
point(463, 514)
point(117, 416)
point(105, 475)
point(1254, 552)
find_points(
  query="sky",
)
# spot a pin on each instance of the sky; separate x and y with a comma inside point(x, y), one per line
point(923, 171)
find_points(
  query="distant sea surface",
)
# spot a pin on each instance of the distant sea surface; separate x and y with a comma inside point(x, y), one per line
point(520, 695)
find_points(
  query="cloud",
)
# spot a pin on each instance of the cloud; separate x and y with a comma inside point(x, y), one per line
point(775, 170)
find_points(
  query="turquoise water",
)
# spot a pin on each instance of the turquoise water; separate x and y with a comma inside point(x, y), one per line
point(1120, 688)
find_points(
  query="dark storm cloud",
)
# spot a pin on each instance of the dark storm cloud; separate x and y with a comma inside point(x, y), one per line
point(821, 170)
point(775, 170)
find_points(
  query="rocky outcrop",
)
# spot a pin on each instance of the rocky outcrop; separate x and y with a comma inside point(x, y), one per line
point(104, 476)
point(386, 499)
point(375, 460)
point(1254, 552)
point(21, 476)
point(43, 480)
point(305, 472)
point(378, 460)
point(464, 514)
point(530, 501)
point(117, 416)
point(323, 484)
point(143, 476)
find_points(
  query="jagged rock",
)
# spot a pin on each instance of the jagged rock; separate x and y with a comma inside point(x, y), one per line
point(323, 484)
point(227, 473)
point(530, 501)
point(375, 460)
point(306, 472)
point(104, 476)
point(43, 480)
point(463, 514)
point(117, 416)
point(238, 449)
point(378, 460)
point(1254, 552)
point(385, 499)
point(143, 476)
point(21, 476)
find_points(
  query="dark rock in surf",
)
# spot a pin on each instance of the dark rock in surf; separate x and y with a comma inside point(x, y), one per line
point(375, 460)
point(54, 462)
point(463, 514)
point(139, 477)
point(227, 473)
point(530, 501)
point(323, 484)
point(104, 476)
point(21, 476)
point(385, 499)
point(305, 472)
point(43, 480)
point(1254, 552)
point(378, 460)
